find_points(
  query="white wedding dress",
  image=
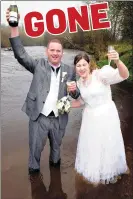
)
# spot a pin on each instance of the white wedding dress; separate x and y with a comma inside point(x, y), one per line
point(100, 153)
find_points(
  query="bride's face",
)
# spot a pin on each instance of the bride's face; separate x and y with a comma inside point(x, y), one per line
point(83, 68)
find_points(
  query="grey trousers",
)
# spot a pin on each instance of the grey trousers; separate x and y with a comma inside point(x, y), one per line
point(39, 131)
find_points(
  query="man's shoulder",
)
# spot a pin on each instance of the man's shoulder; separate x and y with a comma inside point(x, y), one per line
point(67, 66)
point(42, 61)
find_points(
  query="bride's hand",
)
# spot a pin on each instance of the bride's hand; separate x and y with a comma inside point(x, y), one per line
point(123, 70)
point(113, 55)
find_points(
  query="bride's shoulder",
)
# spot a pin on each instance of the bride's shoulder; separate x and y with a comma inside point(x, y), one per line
point(95, 72)
point(103, 70)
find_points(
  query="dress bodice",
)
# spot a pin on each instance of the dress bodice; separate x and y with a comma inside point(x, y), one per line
point(98, 91)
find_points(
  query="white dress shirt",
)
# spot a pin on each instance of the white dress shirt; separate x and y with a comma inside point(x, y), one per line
point(52, 98)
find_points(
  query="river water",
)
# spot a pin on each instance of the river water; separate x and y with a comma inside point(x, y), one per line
point(53, 183)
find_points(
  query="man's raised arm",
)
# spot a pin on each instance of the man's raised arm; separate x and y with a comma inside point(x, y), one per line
point(19, 52)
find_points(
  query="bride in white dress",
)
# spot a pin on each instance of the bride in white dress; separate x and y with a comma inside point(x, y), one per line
point(100, 156)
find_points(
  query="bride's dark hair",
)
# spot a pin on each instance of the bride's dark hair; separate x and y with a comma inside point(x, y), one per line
point(85, 56)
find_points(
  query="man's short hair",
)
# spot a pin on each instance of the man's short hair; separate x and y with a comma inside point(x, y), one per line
point(54, 41)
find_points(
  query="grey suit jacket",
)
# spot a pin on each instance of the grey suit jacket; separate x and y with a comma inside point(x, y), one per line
point(40, 84)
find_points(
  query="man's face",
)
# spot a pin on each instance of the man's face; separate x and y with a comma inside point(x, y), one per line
point(54, 53)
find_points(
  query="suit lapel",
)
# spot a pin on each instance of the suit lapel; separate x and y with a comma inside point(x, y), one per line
point(61, 83)
point(48, 73)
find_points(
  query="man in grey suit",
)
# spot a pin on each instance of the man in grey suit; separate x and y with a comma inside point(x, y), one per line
point(47, 86)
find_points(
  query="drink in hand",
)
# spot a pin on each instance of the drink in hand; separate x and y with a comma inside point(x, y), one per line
point(110, 48)
point(13, 19)
point(69, 83)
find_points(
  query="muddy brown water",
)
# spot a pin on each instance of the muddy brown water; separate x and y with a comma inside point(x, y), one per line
point(53, 183)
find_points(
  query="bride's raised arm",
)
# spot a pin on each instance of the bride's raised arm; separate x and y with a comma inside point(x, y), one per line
point(111, 75)
point(123, 71)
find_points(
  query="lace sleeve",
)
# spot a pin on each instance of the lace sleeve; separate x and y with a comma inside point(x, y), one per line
point(109, 75)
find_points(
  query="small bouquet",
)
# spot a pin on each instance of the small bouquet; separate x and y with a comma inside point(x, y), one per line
point(63, 105)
